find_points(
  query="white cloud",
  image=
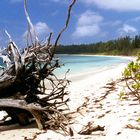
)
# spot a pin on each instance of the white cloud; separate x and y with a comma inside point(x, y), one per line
point(88, 24)
point(89, 18)
point(88, 30)
point(127, 30)
point(41, 28)
point(118, 5)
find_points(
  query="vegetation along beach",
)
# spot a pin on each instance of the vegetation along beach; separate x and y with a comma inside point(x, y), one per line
point(69, 70)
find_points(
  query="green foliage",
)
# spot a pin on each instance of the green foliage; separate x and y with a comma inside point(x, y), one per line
point(121, 95)
point(132, 77)
point(121, 46)
point(138, 120)
point(127, 73)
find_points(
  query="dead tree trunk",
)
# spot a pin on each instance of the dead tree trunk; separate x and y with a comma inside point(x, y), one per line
point(24, 93)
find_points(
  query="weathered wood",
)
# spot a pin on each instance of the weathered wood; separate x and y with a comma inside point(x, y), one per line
point(89, 128)
point(23, 92)
point(20, 109)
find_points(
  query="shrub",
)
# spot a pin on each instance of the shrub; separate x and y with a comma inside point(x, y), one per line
point(132, 77)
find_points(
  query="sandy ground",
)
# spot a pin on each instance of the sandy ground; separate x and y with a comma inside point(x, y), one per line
point(96, 98)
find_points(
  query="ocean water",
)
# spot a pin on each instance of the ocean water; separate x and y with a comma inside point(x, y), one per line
point(86, 63)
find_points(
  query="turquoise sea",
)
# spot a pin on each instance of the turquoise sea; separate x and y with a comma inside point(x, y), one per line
point(88, 63)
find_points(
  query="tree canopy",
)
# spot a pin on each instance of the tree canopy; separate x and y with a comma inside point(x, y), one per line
point(121, 46)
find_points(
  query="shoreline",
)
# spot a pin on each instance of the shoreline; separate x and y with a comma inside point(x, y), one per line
point(93, 71)
point(110, 112)
point(86, 74)
point(123, 56)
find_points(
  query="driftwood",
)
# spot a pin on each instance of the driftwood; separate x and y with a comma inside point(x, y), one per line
point(28, 85)
point(132, 127)
point(89, 128)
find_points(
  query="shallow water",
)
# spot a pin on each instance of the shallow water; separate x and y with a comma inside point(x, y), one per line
point(85, 63)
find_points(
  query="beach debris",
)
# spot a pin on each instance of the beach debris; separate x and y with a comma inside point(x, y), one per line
point(89, 128)
point(34, 136)
point(130, 126)
point(119, 133)
point(110, 87)
point(101, 116)
point(29, 89)
point(82, 108)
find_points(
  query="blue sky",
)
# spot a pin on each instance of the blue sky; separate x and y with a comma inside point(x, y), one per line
point(91, 20)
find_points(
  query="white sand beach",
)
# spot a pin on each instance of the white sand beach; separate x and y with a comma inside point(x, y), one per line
point(96, 102)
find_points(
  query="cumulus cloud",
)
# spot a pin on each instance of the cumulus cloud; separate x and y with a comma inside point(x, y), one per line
point(127, 30)
point(89, 18)
point(89, 30)
point(41, 28)
point(88, 24)
point(118, 5)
